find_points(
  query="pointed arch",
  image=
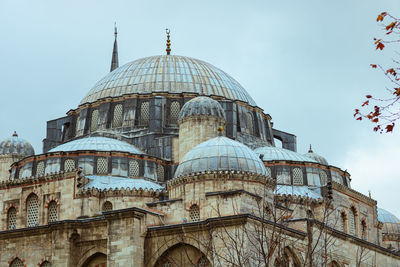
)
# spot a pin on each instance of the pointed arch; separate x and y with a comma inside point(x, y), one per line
point(17, 262)
point(182, 254)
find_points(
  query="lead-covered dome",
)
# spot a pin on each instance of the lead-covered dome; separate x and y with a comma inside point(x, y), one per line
point(391, 224)
point(202, 106)
point(168, 74)
point(270, 153)
point(316, 157)
point(220, 154)
point(97, 144)
point(16, 146)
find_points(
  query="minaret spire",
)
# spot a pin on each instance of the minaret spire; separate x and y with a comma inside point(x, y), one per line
point(168, 42)
point(114, 60)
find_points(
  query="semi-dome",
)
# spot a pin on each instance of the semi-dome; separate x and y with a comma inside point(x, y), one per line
point(271, 153)
point(97, 144)
point(202, 106)
point(168, 74)
point(316, 157)
point(220, 154)
point(16, 146)
point(391, 224)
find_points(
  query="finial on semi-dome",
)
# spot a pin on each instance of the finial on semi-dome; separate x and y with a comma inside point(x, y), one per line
point(15, 134)
point(310, 151)
point(220, 129)
point(114, 60)
point(168, 31)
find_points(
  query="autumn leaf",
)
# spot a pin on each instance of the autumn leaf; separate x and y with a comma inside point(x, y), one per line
point(375, 120)
point(365, 103)
point(359, 118)
point(389, 128)
point(397, 91)
point(391, 71)
point(368, 96)
point(380, 46)
point(373, 65)
point(390, 26)
point(381, 16)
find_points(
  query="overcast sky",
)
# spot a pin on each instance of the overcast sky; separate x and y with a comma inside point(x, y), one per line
point(306, 63)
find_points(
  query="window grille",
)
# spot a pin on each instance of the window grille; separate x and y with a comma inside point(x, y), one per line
point(283, 175)
point(297, 176)
point(133, 168)
point(107, 206)
point(102, 165)
point(69, 165)
point(144, 113)
point(32, 210)
point(95, 120)
point(117, 119)
point(45, 264)
point(194, 213)
point(202, 262)
point(17, 263)
point(352, 220)
point(268, 172)
point(160, 173)
point(174, 112)
point(323, 177)
point(40, 169)
point(52, 208)
point(11, 218)
point(167, 264)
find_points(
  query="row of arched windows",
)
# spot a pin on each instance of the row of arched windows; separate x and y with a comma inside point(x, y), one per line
point(17, 262)
point(32, 213)
point(144, 115)
point(348, 224)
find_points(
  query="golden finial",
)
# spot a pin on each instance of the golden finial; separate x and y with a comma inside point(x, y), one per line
point(220, 129)
point(168, 41)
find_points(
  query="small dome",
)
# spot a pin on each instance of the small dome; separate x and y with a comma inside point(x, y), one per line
point(316, 157)
point(115, 182)
point(97, 144)
point(202, 106)
point(271, 153)
point(391, 224)
point(220, 154)
point(16, 146)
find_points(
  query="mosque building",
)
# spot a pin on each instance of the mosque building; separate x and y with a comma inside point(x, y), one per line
point(168, 161)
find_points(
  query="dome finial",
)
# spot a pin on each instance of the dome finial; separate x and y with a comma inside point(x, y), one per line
point(220, 129)
point(15, 134)
point(310, 150)
point(168, 31)
point(114, 60)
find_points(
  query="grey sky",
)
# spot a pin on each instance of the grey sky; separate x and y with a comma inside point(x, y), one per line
point(306, 63)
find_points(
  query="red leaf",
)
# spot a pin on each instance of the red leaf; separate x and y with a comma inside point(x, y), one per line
point(397, 91)
point(373, 65)
point(368, 96)
point(389, 128)
point(359, 118)
point(375, 120)
point(365, 103)
point(381, 16)
point(380, 46)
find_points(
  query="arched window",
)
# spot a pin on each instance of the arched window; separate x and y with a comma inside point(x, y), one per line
point(94, 121)
point(323, 177)
point(102, 165)
point(16, 263)
point(32, 210)
point(52, 211)
point(167, 264)
point(144, 113)
point(117, 118)
point(194, 213)
point(364, 229)
point(45, 264)
point(250, 124)
point(160, 173)
point(297, 176)
point(11, 218)
point(342, 222)
point(133, 168)
point(107, 206)
point(269, 172)
point(174, 112)
point(69, 165)
point(40, 169)
point(352, 221)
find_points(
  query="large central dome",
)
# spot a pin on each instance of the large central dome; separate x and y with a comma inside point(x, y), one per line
point(170, 74)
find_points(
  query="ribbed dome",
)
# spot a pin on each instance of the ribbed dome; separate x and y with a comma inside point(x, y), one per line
point(220, 154)
point(391, 224)
point(97, 144)
point(172, 74)
point(16, 146)
point(271, 153)
point(202, 106)
point(316, 157)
